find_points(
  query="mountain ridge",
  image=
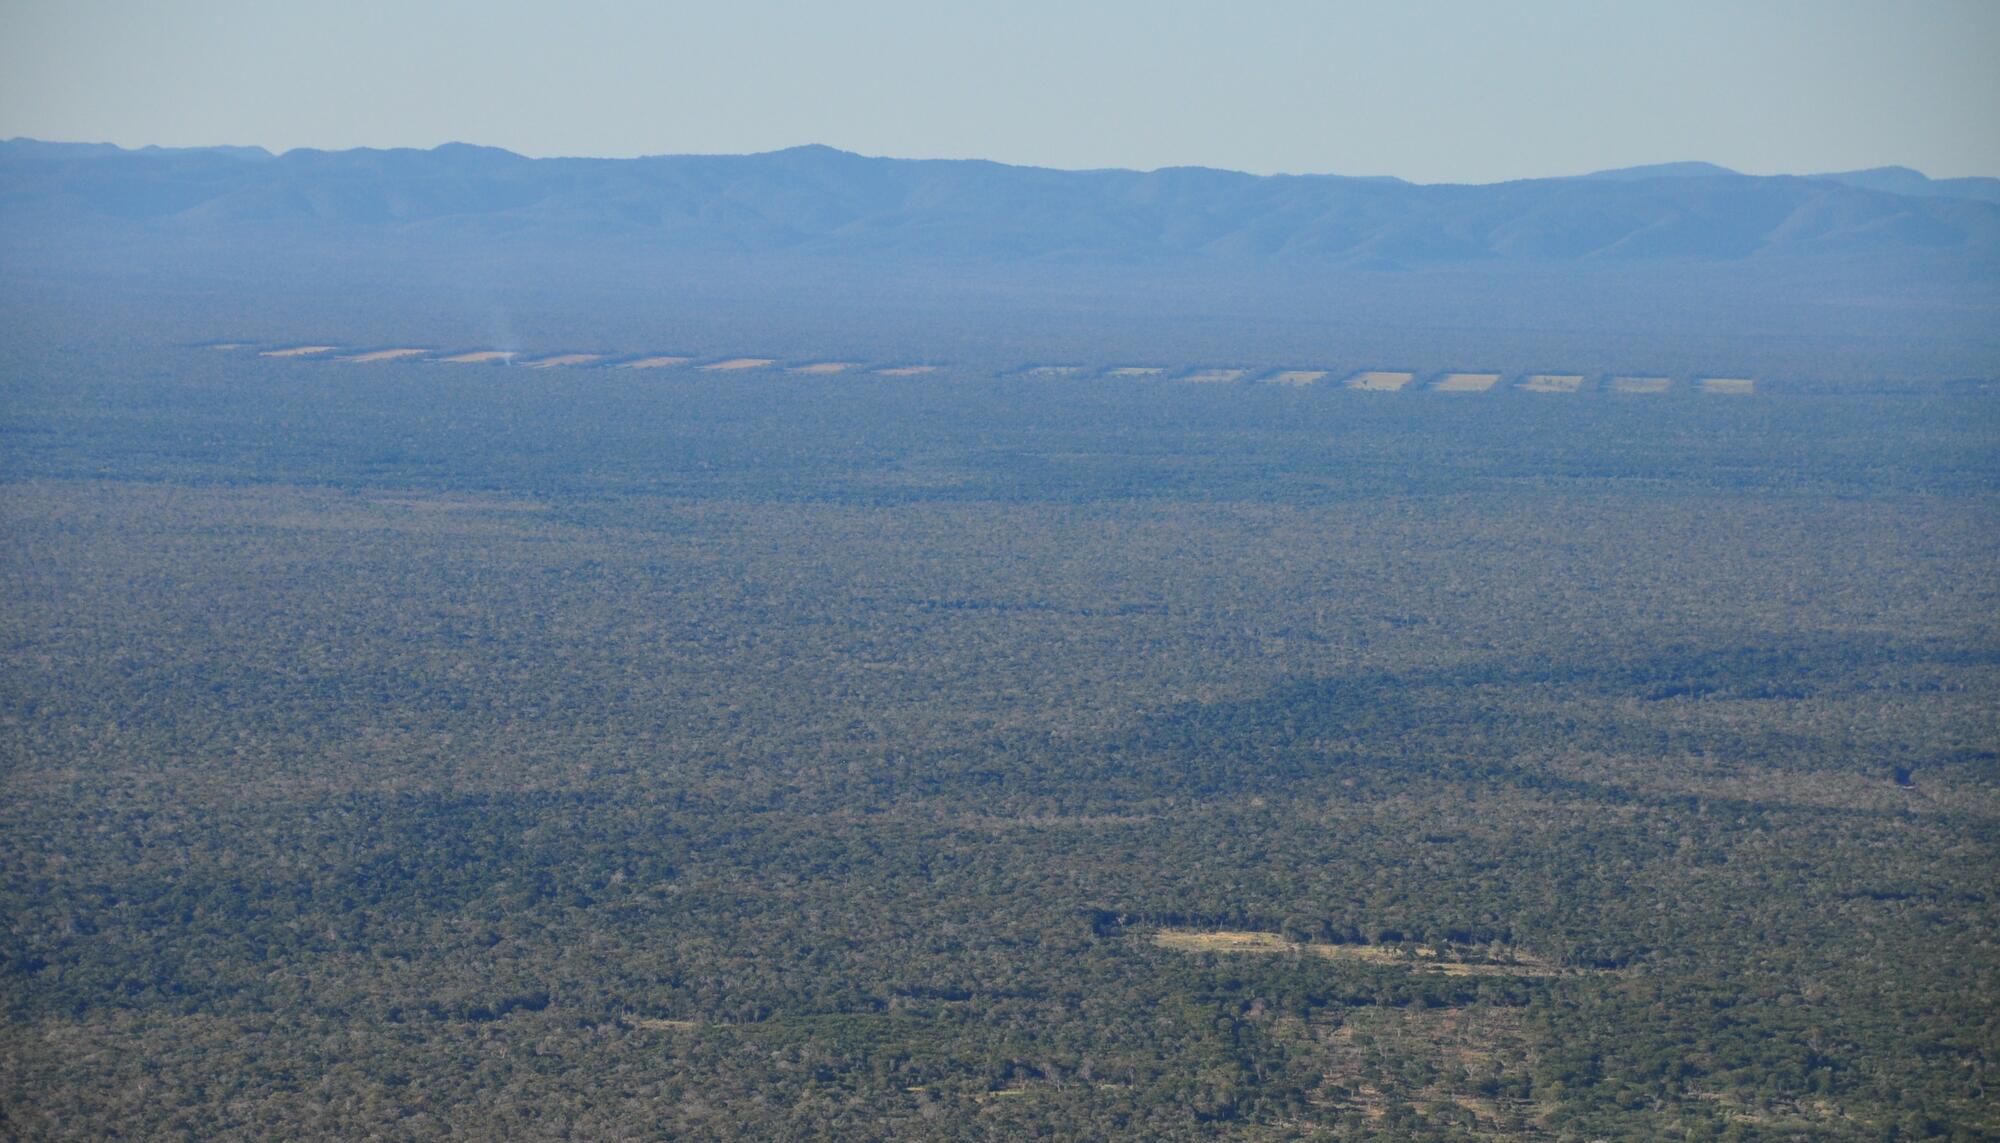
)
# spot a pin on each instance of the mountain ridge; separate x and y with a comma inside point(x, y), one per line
point(1891, 174)
point(821, 200)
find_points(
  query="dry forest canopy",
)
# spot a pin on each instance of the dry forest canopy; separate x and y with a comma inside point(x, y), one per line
point(407, 749)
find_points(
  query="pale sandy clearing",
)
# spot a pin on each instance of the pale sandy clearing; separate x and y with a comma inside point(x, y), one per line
point(1552, 382)
point(821, 368)
point(738, 363)
point(479, 356)
point(561, 359)
point(1640, 384)
point(1215, 376)
point(656, 363)
point(385, 355)
point(1466, 382)
point(297, 351)
point(906, 370)
point(451, 504)
point(1734, 386)
point(1380, 381)
point(1296, 378)
point(1135, 371)
point(1420, 959)
point(1223, 941)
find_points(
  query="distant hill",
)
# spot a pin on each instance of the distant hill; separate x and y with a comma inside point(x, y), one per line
point(819, 200)
point(1661, 171)
point(1903, 180)
point(1892, 180)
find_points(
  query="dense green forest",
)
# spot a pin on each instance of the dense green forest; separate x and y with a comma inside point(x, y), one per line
point(404, 751)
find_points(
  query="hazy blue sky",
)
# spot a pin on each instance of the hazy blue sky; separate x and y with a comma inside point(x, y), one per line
point(1431, 91)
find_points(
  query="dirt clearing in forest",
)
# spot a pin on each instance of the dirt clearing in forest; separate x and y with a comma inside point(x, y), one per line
point(1551, 382)
point(1224, 941)
point(1640, 384)
point(479, 357)
point(1734, 386)
point(1380, 380)
point(1466, 382)
point(375, 355)
point(1451, 962)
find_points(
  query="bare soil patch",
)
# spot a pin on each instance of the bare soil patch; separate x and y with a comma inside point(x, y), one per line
point(1640, 384)
point(1224, 941)
point(1551, 382)
point(1733, 386)
point(459, 504)
point(375, 355)
point(1466, 382)
point(1419, 958)
point(1380, 380)
point(480, 357)
point(1296, 378)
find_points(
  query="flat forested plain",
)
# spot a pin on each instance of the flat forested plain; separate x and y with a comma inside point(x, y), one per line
point(414, 750)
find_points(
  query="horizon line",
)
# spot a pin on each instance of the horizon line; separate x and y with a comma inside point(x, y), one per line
point(1718, 170)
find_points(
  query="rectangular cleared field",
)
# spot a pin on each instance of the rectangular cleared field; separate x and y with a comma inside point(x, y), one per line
point(373, 356)
point(738, 364)
point(822, 368)
point(1380, 380)
point(656, 362)
point(1296, 378)
point(1216, 376)
point(1733, 386)
point(564, 359)
point(1640, 384)
point(1134, 371)
point(1418, 959)
point(1466, 382)
point(479, 357)
point(1551, 383)
point(1224, 941)
point(906, 371)
point(298, 351)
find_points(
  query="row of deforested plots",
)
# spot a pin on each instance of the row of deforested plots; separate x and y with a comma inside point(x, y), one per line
point(1366, 380)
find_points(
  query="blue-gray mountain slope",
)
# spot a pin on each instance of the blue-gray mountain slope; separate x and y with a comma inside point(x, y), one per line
point(822, 201)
